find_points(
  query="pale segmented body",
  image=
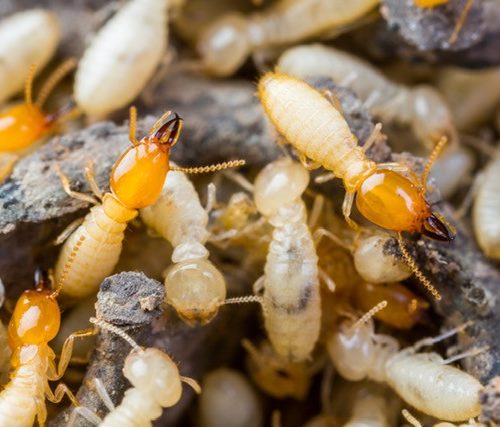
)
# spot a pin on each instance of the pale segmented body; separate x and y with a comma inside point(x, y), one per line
point(29, 37)
point(122, 57)
point(99, 242)
point(225, 44)
point(486, 210)
point(291, 300)
point(370, 410)
point(194, 286)
point(421, 379)
point(422, 106)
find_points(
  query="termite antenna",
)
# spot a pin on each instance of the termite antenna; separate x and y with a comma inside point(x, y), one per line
point(416, 271)
point(117, 331)
point(242, 300)
point(67, 267)
point(132, 125)
point(191, 383)
point(28, 86)
point(210, 168)
point(410, 418)
point(368, 315)
point(57, 75)
point(460, 22)
point(438, 148)
point(251, 350)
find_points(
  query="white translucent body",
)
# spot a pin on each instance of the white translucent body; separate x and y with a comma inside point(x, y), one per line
point(24, 395)
point(323, 137)
point(444, 170)
point(102, 232)
point(291, 300)
point(228, 400)
point(486, 211)
point(369, 410)
point(194, 286)
point(421, 379)
point(225, 44)
point(122, 57)
point(422, 106)
point(156, 385)
point(375, 266)
point(29, 37)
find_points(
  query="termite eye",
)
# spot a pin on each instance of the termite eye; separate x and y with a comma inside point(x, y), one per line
point(168, 133)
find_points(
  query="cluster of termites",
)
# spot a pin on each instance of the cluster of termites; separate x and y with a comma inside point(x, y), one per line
point(342, 309)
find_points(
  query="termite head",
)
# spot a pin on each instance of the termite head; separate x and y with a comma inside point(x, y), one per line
point(396, 203)
point(155, 374)
point(36, 317)
point(224, 45)
point(429, 3)
point(138, 175)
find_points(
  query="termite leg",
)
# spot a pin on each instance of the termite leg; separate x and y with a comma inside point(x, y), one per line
point(325, 177)
point(332, 99)
point(58, 394)
point(84, 413)
point(68, 231)
point(323, 232)
point(346, 210)
point(67, 188)
point(325, 277)
point(258, 286)
point(373, 138)
point(470, 353)
point(393, 166)
point(240, 180)
point(211, 198)
point(310, 165)
point(66, 352)
point(103, 394)
point(318, 203)
point(41, 409)
point(90, 177)
point(7, 163)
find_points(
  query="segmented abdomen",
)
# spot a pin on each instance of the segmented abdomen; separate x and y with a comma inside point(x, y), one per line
point(487, 211)
point(90, 254)
point(136, 410)
point(19, 398)
point(291, 294)
point(445, 392)
point(313, 126)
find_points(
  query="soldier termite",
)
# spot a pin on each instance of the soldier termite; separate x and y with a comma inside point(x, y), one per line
point(136, 181)
point(35, 321)
point(383, 194)
point(194, 286)
point(225, 45)
point(421, 106)
point(275, 375)
point(424, 380)
point(228, 400)
point(122, 57)
point(22, 125)
point(28, 37)
point(156, 384)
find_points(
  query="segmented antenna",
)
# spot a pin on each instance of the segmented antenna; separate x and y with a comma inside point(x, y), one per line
point(132, 125)
point(368, 315)
point(410, 418)
point(57, 75)
point(210, 168)
point(117, 331)
point(414, 268)
point(432, 158)
point(67, 266)
point(28, 86)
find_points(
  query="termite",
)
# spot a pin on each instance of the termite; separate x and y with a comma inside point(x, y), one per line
point(156, 384)
point(421, 106)
point(424, 380)
point(34, 322)
point(275, 375)
point(225, 45)
point(136, 181)
point(383, 194)
point(122, 57)
point(416, 423)
point(28, 37)
point(23, 125)
point(194, 285)
point(229, 400)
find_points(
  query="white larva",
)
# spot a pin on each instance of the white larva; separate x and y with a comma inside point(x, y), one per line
point(228, 400)
point(194, 286)
point(422, 107)
point(291, 300)
point(26, 38)
point(122, 57)
point(226, 43)
point(486, 210)
point(156, 384)
point(421, 379)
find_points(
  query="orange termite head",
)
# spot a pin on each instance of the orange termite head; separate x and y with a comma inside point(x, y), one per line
point(138, 175)
point(36, 317)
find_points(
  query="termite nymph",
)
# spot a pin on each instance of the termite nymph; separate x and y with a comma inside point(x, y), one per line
point(424, 380)
point(22, 125)
point(136, 181)
point(34, 322)
point(156, 384)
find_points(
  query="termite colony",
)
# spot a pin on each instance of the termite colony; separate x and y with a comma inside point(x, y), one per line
point(318, 211)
